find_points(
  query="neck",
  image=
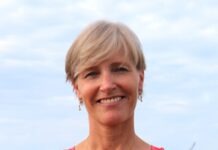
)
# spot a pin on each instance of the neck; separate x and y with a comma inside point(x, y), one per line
point(116, 137)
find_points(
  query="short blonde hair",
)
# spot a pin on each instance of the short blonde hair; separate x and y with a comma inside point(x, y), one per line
point(97, 42)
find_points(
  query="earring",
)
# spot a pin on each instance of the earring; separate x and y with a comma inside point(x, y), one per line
point(80, 104)
point(140, 95)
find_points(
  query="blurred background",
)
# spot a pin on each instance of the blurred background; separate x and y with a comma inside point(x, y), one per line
point(38, 109)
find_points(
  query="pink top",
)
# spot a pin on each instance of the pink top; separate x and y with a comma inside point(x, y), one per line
point(155, 148)
point(152, 148)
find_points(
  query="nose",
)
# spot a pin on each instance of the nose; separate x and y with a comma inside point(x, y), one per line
point(107, 83)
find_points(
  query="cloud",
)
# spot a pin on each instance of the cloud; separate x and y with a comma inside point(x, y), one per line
point(209, 33)
point(168, 104)
point(15, 63)
point(63, 101)
point(172, 106)
point(8, 43)
point(4, 3)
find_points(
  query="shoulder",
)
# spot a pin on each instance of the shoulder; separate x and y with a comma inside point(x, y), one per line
point(156, 148)
point(152, 148)
point(72, 148)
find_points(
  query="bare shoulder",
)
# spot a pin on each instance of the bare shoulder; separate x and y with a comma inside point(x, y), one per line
point(80, 146)
point(142, 145)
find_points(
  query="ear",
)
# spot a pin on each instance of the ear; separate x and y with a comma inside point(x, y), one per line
point(141, 80)
point(76, 90)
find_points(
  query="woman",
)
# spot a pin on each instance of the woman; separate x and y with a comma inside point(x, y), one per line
point(106, 67)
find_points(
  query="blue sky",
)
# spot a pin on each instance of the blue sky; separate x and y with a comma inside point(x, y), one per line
point(38, 109)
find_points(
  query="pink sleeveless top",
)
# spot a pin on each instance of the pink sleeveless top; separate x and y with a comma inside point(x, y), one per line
point(152, 148)
point(155, 148)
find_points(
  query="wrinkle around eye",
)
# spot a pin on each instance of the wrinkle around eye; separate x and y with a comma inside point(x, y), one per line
point(121, 69)
point(91, 74)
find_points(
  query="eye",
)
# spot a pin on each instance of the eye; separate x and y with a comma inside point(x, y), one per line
point(121, 69)
point(91, 74)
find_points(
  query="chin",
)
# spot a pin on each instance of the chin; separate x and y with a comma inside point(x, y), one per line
point(113, 119)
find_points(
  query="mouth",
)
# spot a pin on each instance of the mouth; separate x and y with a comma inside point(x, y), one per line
point(110, 100)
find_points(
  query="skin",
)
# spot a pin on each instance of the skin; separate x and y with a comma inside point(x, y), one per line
point(109, 91)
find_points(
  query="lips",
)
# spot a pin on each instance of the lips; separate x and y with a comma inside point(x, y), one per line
point(110, 100)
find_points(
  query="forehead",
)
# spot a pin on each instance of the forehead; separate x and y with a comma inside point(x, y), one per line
point(115, 58)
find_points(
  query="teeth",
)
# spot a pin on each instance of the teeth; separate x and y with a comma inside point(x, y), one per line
point(111, 100)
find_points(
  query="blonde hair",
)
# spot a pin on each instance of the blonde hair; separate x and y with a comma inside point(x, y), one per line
point(97, 42)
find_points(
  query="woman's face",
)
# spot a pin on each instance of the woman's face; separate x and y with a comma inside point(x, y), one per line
point(110, 89)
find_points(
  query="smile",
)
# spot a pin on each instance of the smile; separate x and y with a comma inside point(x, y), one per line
point(110, 100)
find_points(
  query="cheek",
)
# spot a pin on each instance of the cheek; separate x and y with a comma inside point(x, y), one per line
point(136, 86)
point(131, 85)
point(87, 92)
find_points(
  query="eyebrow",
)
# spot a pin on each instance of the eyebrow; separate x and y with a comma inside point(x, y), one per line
point(119, 64)
point(113, 64)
